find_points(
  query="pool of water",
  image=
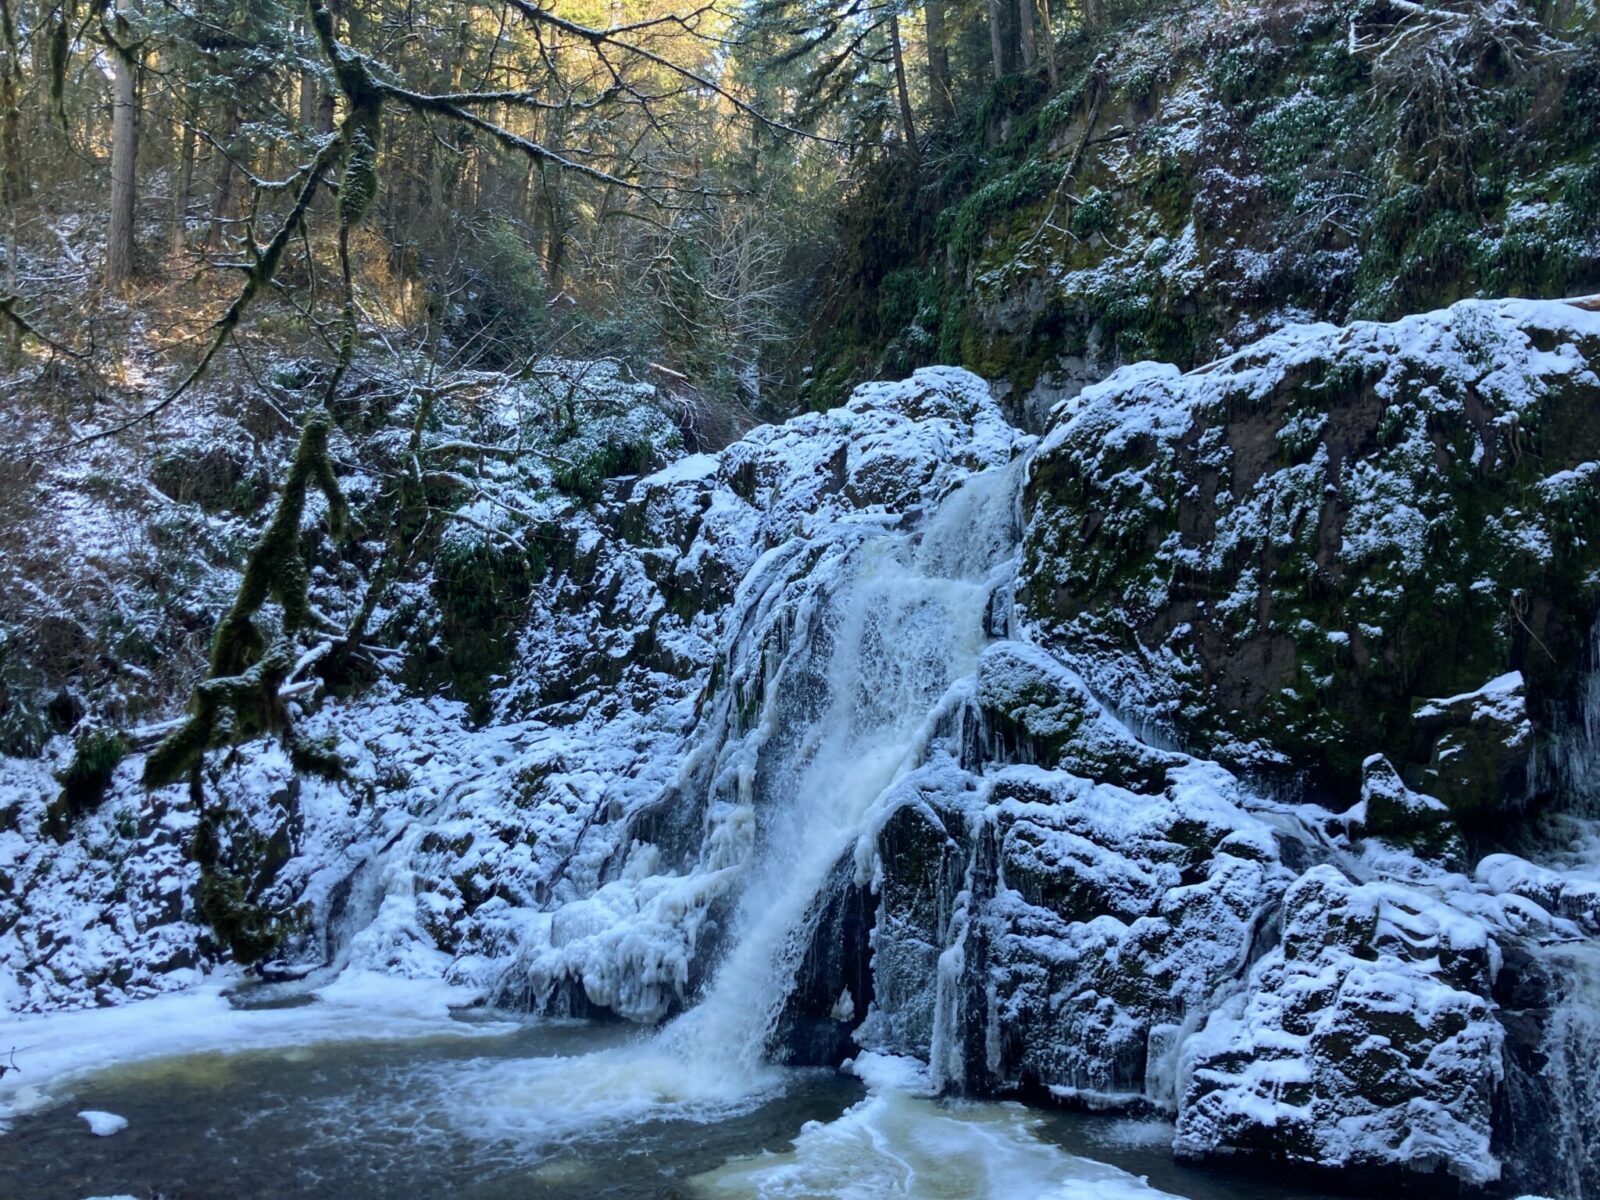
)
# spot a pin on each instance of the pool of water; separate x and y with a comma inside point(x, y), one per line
point(557, 1111)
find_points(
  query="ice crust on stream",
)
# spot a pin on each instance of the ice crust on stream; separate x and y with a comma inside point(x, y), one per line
point(898, 1142)
point(785, 772)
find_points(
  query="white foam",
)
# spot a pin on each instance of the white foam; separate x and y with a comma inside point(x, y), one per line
point(540, 1101)
point(891, 1073)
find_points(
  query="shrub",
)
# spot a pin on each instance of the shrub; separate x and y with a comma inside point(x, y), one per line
point(86, 779)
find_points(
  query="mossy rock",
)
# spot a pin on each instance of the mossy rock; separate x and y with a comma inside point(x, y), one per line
point(1036, 710)
point(1420, 822)
point(1277, 559)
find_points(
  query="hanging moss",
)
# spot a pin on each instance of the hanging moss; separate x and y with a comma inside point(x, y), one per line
point(363, 130)
point(275, 569)
point(224, 710)
point(249, 931)
point(239, 699)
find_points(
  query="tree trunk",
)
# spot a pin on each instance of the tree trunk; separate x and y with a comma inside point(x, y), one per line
point(944, 103)
point(555, 251)
point(14, 186)
point(181, 188)
point(222, 210)
point(1025, 34)
point(308, 100)
point(1049, 34)
point(997, 37)
point(324, 121)
point(13, 178)
point(900, 86)
point(124, 150)
point(1091, 14)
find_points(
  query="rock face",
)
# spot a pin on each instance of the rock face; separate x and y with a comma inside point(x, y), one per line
point(1188, 189)
point(1195, 758)
point(1366, 1038)
point(1276, 559)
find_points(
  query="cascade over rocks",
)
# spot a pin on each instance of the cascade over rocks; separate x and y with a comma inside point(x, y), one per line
point(1187, 759)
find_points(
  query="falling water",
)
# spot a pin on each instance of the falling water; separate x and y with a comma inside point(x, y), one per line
point(1568, 762)
point(846, 651)
point(905, 627)
point(1570, 1087)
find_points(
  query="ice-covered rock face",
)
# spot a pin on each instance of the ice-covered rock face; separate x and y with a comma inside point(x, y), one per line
point(1366, 1039)
point(783, 759)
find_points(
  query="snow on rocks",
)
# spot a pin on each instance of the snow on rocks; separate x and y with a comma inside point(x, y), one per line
point(446, 845)
point(1041, 891)
point(1275, 556)
point(1364, 1040)
point(105, 914)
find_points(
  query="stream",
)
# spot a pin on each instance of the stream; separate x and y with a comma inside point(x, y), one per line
point(483, 1108)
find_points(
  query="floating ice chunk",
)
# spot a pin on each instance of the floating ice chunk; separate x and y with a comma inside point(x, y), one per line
point(103, 1124)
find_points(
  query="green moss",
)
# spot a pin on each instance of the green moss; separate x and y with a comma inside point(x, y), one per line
point(249, 931)
point(86, 779)
point(481, 589)
point(1437, 599)
point(1244, 73)
point(1096, 213)
point(966, 226)
point(1266, 136)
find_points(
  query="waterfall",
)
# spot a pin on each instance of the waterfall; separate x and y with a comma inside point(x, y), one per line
point(1568, 761)
point(1570, 1047)
point(888, 650)
point(847, 652)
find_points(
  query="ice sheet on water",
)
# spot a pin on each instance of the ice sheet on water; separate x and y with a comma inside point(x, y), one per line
point(898, 1142)
point(55, 1049)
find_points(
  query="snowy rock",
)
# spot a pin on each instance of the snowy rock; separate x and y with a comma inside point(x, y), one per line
point(1391, 810)
point(1363, 1041)
point(1481, 746)
point(799, 688)
point(1037, 710)
point(1278, 556)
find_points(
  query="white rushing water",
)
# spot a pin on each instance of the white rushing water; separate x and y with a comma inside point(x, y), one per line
point(904, 630)
point(850, 696)
point(1571, 1047)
